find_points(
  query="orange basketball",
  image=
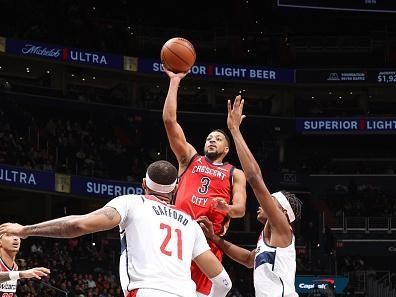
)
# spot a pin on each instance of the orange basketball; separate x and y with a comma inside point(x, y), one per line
point(178, 55)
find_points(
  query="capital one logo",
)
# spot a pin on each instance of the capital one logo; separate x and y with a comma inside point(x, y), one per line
point(320, 283)
point(31, 49)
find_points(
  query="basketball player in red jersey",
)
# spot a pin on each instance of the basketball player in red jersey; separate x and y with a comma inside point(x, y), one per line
point(9, 247)
point(9, 274)
point(207, 186)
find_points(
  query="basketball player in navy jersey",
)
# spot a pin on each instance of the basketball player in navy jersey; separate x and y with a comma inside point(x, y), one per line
point(207, 186)
point(274, 259)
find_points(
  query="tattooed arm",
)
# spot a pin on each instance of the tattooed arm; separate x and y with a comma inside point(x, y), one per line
point(102, 219)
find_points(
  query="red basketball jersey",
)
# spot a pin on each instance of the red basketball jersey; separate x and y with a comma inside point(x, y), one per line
point(8, 288)
point(200, 183)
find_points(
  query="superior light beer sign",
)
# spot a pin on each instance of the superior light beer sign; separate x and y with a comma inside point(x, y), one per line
point(238, 72)
point(346, 125)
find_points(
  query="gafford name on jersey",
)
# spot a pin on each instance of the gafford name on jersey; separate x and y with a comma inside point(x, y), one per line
point(169, 212)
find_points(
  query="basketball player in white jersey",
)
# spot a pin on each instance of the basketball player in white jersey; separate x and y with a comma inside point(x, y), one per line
point(274, 259)
point(9, 274)
point(158, 242)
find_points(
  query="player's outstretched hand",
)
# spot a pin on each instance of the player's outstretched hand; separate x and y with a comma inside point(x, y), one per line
point(235, 116)
point(37, 272)
point(12, 228)
point(207, 227)
point(171, 74)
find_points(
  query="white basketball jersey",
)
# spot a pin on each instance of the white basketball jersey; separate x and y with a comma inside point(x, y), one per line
point(158, 243)
point(274, 270)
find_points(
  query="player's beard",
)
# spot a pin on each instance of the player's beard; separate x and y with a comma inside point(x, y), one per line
point(212, 155)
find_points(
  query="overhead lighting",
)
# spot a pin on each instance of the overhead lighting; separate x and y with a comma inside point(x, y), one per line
point(83, 79)
point(350, 93)
point(72, 75)
point(27, 69)
point(313, 97)
point(48, 72)
point(93, 77)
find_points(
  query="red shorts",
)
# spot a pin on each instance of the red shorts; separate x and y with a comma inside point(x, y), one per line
point(204, 285)
point(133, 293)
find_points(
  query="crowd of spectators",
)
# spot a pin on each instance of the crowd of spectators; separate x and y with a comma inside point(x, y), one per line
point(364, 199)
point(99, 144)
point(79, 268)
point(97, 140)
point(258, 32)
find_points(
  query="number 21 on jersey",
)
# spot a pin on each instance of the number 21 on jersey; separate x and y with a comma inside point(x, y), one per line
point(164, 246)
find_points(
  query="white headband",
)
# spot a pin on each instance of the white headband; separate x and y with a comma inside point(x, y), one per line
point(285, 204)
point(152, 185)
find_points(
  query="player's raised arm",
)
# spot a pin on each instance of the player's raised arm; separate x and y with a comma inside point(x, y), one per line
point(102, 219)
point(252, 170)
point(177, 140)
point(236, 253)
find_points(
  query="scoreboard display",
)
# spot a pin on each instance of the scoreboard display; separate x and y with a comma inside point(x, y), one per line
point(382, 6)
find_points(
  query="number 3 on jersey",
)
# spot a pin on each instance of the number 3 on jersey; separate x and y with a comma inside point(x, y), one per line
point(168, 238)
point(205, 182)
